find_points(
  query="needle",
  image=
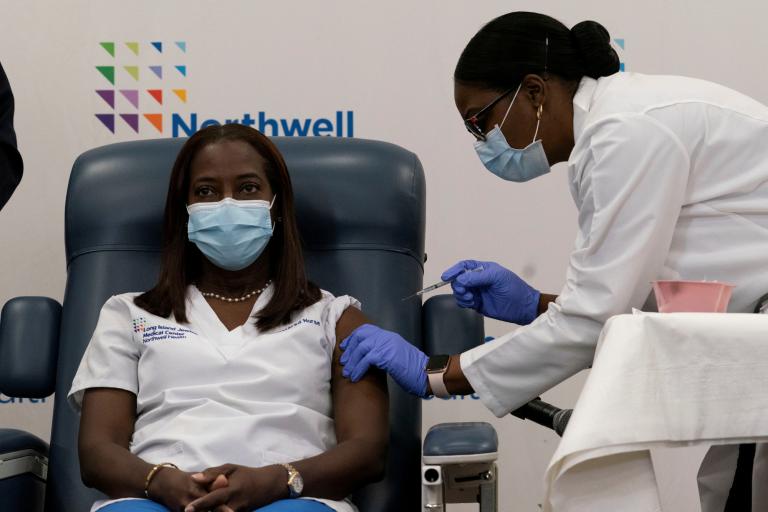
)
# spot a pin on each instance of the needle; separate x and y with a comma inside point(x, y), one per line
point(440, 284)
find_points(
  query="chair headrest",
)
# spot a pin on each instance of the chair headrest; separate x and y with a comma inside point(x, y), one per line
point(116, 195)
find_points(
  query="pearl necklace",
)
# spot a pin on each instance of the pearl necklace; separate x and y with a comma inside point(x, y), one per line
point(236, 299)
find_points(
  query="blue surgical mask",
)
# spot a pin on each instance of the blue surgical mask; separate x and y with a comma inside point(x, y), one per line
point(232, 234)
point(507, 162)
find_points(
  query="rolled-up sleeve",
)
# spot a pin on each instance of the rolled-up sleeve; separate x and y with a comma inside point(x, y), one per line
point(632, 184)
point(332, 311)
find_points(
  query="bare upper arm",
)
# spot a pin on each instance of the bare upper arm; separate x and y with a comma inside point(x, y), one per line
point(361, 409)
point(107, 415)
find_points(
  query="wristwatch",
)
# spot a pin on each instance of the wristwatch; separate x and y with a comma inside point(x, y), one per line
point(295, 482)
point(436, 368)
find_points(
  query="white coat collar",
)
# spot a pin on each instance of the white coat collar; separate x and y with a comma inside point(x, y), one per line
point(582, 102)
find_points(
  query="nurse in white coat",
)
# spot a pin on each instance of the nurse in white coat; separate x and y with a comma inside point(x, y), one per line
point(669, 175)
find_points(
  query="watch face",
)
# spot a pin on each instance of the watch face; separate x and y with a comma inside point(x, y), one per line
point(297, 484)
point(437, 363)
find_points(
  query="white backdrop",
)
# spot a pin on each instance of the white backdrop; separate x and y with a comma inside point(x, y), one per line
point(387, 67)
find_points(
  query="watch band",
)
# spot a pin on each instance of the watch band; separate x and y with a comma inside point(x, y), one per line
point(295, 481)
point(437, 384)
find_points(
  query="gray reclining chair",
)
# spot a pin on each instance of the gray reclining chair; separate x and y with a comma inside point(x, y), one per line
point(360, 206)
point(361, 213)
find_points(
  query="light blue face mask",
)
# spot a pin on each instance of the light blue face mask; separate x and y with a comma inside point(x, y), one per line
point(507, 162)
point(232, 234)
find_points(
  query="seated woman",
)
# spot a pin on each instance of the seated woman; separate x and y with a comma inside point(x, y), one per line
point(220, 388)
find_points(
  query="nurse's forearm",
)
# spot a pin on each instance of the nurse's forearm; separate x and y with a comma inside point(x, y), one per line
point(455, 381)
point(544, 301)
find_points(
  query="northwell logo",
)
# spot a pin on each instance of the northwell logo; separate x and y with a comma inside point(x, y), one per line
point(341, 125)
point(145, 84)
point(137, 93)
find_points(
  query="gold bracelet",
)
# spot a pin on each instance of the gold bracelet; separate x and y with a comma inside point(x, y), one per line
point(153, 472)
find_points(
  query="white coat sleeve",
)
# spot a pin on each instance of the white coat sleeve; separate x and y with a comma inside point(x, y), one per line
point(632, 185)
point(112, 356)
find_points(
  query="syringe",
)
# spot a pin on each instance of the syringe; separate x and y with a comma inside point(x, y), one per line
point(440, 284)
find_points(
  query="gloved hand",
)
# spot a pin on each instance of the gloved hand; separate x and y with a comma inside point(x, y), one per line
point(370, 345)
point(494, 291)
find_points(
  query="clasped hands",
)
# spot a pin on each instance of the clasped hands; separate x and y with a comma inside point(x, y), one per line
point(225, 488)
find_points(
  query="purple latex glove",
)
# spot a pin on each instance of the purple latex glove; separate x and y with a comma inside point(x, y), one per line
point(495, 291)
point(369, 345)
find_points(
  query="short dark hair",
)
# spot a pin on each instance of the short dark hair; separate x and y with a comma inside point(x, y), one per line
point(514, 45)
point(181, 259)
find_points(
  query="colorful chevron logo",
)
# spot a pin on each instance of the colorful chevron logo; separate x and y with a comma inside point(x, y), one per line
point(619, 45)
point(140, 87)
point(138, 81)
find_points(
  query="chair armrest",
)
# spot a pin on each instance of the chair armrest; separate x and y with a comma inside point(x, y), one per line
point(449, 329)
point(460, 443)
point(29, 346)
point(23, 471)
point(13, 440)
point(22, 452)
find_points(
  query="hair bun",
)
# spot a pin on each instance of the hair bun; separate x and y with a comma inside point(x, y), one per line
point(594, 46)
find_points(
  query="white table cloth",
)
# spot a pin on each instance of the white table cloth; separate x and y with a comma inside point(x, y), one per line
point(658, 380)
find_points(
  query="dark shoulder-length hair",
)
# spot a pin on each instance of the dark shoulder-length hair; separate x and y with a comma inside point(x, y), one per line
point(181, 259)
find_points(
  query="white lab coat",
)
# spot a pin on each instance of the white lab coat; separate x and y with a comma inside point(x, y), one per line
point(670, 177)
point(206, 396)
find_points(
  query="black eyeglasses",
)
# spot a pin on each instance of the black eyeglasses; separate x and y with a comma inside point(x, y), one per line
point(472, 123)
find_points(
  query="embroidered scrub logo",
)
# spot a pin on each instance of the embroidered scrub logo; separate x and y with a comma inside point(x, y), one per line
point(138, 81)
point(150, 333)
point(139, 324)
point(303, 321)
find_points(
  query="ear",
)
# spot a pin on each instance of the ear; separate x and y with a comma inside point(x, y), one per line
point(534, 89)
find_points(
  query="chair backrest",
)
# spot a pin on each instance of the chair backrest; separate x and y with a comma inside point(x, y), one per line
point(361, 213)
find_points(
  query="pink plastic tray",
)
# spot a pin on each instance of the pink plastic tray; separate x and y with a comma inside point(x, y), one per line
point(692, 296)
